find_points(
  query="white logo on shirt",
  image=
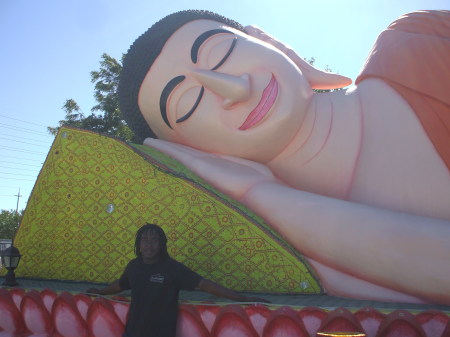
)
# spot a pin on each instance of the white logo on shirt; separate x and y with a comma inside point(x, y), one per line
point(157, 278)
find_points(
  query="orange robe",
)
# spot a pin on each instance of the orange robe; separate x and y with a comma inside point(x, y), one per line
point(413, 56)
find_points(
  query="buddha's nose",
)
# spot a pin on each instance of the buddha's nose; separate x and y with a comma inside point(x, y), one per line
point(233, 89)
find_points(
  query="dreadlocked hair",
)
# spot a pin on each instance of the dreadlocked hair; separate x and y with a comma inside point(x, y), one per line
point(152, 229)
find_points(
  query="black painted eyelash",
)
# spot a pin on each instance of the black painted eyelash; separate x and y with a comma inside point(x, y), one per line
point(218, 65)
point(182, 119)
point(222, 61)
point(165, 96)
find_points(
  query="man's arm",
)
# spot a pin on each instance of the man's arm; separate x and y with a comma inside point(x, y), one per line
point(220, 291)
point(111, 289)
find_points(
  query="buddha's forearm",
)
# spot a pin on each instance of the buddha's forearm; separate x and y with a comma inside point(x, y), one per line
point(396, 250)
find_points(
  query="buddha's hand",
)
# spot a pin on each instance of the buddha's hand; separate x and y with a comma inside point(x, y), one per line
point(230, 175)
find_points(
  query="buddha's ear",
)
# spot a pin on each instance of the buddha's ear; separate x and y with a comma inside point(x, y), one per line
point(319, 79)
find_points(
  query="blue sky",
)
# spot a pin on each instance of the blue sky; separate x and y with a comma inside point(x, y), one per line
point(49, 47)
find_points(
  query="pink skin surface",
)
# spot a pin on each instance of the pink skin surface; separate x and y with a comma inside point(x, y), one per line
point(349, 178)
point(231, 93)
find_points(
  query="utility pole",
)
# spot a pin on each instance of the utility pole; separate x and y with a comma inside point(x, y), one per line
point(17, 213)
point(18, 197)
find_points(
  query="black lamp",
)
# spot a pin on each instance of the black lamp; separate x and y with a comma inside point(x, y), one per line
point(10, 259)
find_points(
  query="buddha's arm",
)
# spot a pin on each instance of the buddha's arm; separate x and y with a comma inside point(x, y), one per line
point(400, 251)
point(230, 175)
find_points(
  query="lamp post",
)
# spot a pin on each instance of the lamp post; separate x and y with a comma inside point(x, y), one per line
point(11, 256)
point(10, 259)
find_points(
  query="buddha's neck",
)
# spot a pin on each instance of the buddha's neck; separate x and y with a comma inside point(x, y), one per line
point(322, 157)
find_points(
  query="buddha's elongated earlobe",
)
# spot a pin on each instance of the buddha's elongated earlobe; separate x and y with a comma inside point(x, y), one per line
point(317, 79)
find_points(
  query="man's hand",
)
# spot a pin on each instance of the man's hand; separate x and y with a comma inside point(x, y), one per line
point(111, 289)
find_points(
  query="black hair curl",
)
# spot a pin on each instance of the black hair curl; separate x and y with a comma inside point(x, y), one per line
point(153, 229)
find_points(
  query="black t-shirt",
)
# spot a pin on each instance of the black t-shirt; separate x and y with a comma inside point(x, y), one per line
point(154, 296)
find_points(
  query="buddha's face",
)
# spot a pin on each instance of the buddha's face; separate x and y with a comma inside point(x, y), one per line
point(217, 89)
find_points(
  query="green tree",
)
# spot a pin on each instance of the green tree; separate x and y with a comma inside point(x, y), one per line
point(9, 222)
point(109, 120)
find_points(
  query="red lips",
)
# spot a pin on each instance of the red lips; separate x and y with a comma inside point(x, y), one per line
point(269, 96)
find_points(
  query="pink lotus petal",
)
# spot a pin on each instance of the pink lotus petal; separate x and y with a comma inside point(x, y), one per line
point(82, 302)
point(36, 317)
point(190, 323)
point(400, 323)
point(342, 320)
point(370, 319)
point(312, 318)
point(232, 321)
point(10, 317)
point(285, 322)
point(102, 320)
point(48, 297)
point(67, 319)
point(208, 314)
point(258, 315)
point(433, 322)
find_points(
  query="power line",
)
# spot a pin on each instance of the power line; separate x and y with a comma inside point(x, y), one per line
point(4, 186)
point(25, 159)
point(11, 162)
point(21, 175)
point(15, 189)
point(26, 163)
point(18, 179)
point(27, 137)
point(20, 129)
point(22, 169)
point(20, 120)
point(23, 188)
point(18, 141)
point(20, 150)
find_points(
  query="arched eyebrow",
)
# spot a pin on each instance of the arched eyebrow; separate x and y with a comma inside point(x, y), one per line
point(170, 86)
point(202, 38)
point(165, 96)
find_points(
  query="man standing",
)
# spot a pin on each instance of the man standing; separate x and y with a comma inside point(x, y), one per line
point(155, 280)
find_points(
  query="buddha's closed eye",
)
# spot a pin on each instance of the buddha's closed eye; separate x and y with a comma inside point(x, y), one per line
point(215, 50)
